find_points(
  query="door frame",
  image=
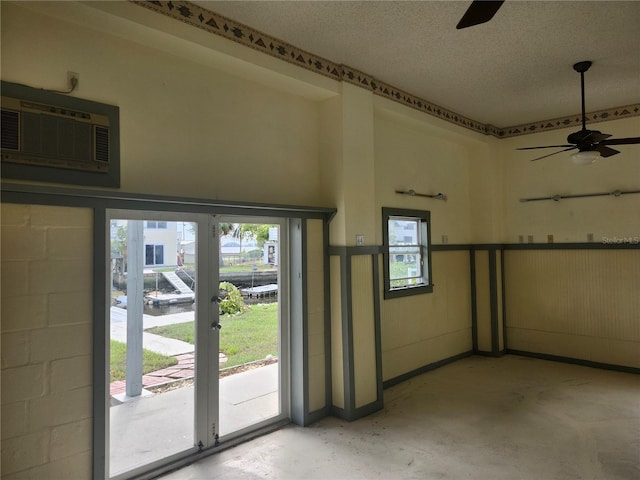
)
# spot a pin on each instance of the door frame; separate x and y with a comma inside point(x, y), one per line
point(206, 378)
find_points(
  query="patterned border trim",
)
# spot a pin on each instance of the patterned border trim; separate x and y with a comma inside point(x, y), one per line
point(574, 120)
point(211, 22)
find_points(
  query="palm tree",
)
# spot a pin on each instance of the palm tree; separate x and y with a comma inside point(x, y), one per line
point(224, 229)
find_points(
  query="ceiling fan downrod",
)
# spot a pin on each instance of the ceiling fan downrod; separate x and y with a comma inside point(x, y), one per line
point(582, 67)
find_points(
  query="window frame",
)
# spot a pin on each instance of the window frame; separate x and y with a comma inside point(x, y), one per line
point(424, 223)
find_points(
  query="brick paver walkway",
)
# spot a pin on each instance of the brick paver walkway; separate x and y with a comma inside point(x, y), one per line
point(184, 369)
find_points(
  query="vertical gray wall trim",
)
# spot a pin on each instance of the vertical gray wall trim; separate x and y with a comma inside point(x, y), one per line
point(347, 336)
point(505, 345)
point(493, 299)
point(305, 319)
point(328, 376)
point(378, 327)
point(298, 324)
point(474, 301)
point(100, 335)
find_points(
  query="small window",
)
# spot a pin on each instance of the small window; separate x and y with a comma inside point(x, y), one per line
point(156, 224)
point(407, 252)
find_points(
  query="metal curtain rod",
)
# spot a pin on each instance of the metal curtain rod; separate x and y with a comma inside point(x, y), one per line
point(413, 193)
point(557, 198)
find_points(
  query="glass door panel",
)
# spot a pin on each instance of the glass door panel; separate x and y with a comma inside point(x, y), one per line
point(250, 338)
point(153, 339)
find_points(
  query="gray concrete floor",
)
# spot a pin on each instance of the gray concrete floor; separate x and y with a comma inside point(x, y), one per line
point(478, 418)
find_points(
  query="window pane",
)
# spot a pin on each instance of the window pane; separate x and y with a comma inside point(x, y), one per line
point(405, 266)
point(148, 254)
point(159, 255)
point(403, 232)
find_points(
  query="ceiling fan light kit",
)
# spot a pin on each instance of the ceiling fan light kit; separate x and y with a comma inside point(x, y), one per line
point(585, 158)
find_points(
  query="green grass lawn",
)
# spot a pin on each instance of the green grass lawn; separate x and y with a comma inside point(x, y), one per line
point(244, 337)
point(151, 361)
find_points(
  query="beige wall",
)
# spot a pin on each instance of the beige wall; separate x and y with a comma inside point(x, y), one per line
point(414, 152)
point(413, 155)
point(571, 220)
point(46, 341)
point(185, 127)
point(575, 303)
point(423, 329)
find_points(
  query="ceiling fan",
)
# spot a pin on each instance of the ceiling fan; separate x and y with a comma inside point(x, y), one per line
point(591, 144)
point(480, 11)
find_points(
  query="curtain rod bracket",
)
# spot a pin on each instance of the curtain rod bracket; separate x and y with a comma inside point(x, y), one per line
point(557, 198)
point(413, 193)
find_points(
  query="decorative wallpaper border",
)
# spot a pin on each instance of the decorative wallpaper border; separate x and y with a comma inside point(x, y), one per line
point(211, 22)
point(574, 120)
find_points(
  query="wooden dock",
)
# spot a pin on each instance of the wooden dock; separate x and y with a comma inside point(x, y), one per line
point(183, 293)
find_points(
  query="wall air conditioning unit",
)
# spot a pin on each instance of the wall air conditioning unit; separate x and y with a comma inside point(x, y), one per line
point(49, 137)
point(39, 134)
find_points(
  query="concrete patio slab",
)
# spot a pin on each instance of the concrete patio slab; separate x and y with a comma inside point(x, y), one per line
point(150, 341)
point(149, 428)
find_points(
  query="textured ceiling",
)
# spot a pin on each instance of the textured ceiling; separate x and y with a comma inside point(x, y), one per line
point(515, 69)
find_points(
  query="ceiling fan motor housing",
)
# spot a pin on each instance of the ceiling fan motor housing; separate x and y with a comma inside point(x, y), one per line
point(586, 137)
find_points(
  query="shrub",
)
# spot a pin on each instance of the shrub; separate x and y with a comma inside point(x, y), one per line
point(232, 301)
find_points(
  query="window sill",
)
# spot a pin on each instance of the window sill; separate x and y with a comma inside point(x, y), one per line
point(407, 291)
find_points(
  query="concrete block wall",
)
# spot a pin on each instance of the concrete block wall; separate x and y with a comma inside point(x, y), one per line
point(46, 331)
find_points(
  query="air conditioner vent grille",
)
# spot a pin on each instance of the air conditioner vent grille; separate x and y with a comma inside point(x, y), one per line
point(10, 130)
point(102, 144)
point(41, 135)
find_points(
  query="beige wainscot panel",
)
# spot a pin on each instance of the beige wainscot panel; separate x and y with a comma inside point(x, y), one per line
point(316, 311)
point(576, 303)
point(423, 329)
point(337, 358)
point(364, 338)
point(46, 341)
point(483, 300)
